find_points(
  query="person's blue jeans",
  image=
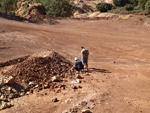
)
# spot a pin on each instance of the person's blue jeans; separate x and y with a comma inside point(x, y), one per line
point(84, 60)
point(76, 68)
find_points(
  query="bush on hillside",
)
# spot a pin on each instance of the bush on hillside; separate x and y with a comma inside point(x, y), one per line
point(147, 7)
point(104, 7)
point(6, 5)
point(129, 7)
point(142, 3)
point(120, 2)
point(58, 8)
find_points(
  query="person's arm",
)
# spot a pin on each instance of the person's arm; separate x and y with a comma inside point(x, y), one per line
point(73, 66)
point(84, 56)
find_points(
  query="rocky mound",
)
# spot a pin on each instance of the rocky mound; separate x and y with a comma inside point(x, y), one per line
point(26, 7)
point(40, 68)
point(38, 71)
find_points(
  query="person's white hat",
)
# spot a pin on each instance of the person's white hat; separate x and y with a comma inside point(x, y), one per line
point(75, 58)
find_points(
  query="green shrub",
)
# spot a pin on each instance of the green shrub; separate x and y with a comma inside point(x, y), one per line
point(147, 7)
point(133, 2)
point(142, 3)
point(58, 8)
point(120, 2)
point(6, 5)
point(129, 7)
point(104, 7)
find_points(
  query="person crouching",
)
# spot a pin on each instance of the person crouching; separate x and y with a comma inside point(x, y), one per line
point(78, 65)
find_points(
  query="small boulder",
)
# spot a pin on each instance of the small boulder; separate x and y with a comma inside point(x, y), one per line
point(55, 78)
point(11, 96)
point(22, 93)
point(28, 93)
point(54, 99)
point(9, 88)
point(4, 105)
point(32, 83)
point(74, 87)
point(14, 90)
point(10, 80)
point(2, 98)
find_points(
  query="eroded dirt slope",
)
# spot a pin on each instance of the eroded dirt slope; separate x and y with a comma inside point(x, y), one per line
point(118, 81)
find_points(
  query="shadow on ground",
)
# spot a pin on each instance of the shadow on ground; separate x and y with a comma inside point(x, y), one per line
point(11, 17)
point(39, 19)
point(98, 70)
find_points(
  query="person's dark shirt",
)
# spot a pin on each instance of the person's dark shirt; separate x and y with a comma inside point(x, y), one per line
point(79, 64)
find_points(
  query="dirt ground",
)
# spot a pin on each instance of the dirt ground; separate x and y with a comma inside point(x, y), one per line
point(119, 62)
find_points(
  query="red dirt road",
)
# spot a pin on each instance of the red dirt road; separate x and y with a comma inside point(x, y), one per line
point(119, 63)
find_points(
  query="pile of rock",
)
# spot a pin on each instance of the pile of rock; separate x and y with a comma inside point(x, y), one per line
point(13, 61)
point(6, 93)
point(40, 70)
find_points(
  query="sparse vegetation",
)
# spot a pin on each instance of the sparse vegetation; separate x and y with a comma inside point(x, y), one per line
point(142, 3)
point(122, 10)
